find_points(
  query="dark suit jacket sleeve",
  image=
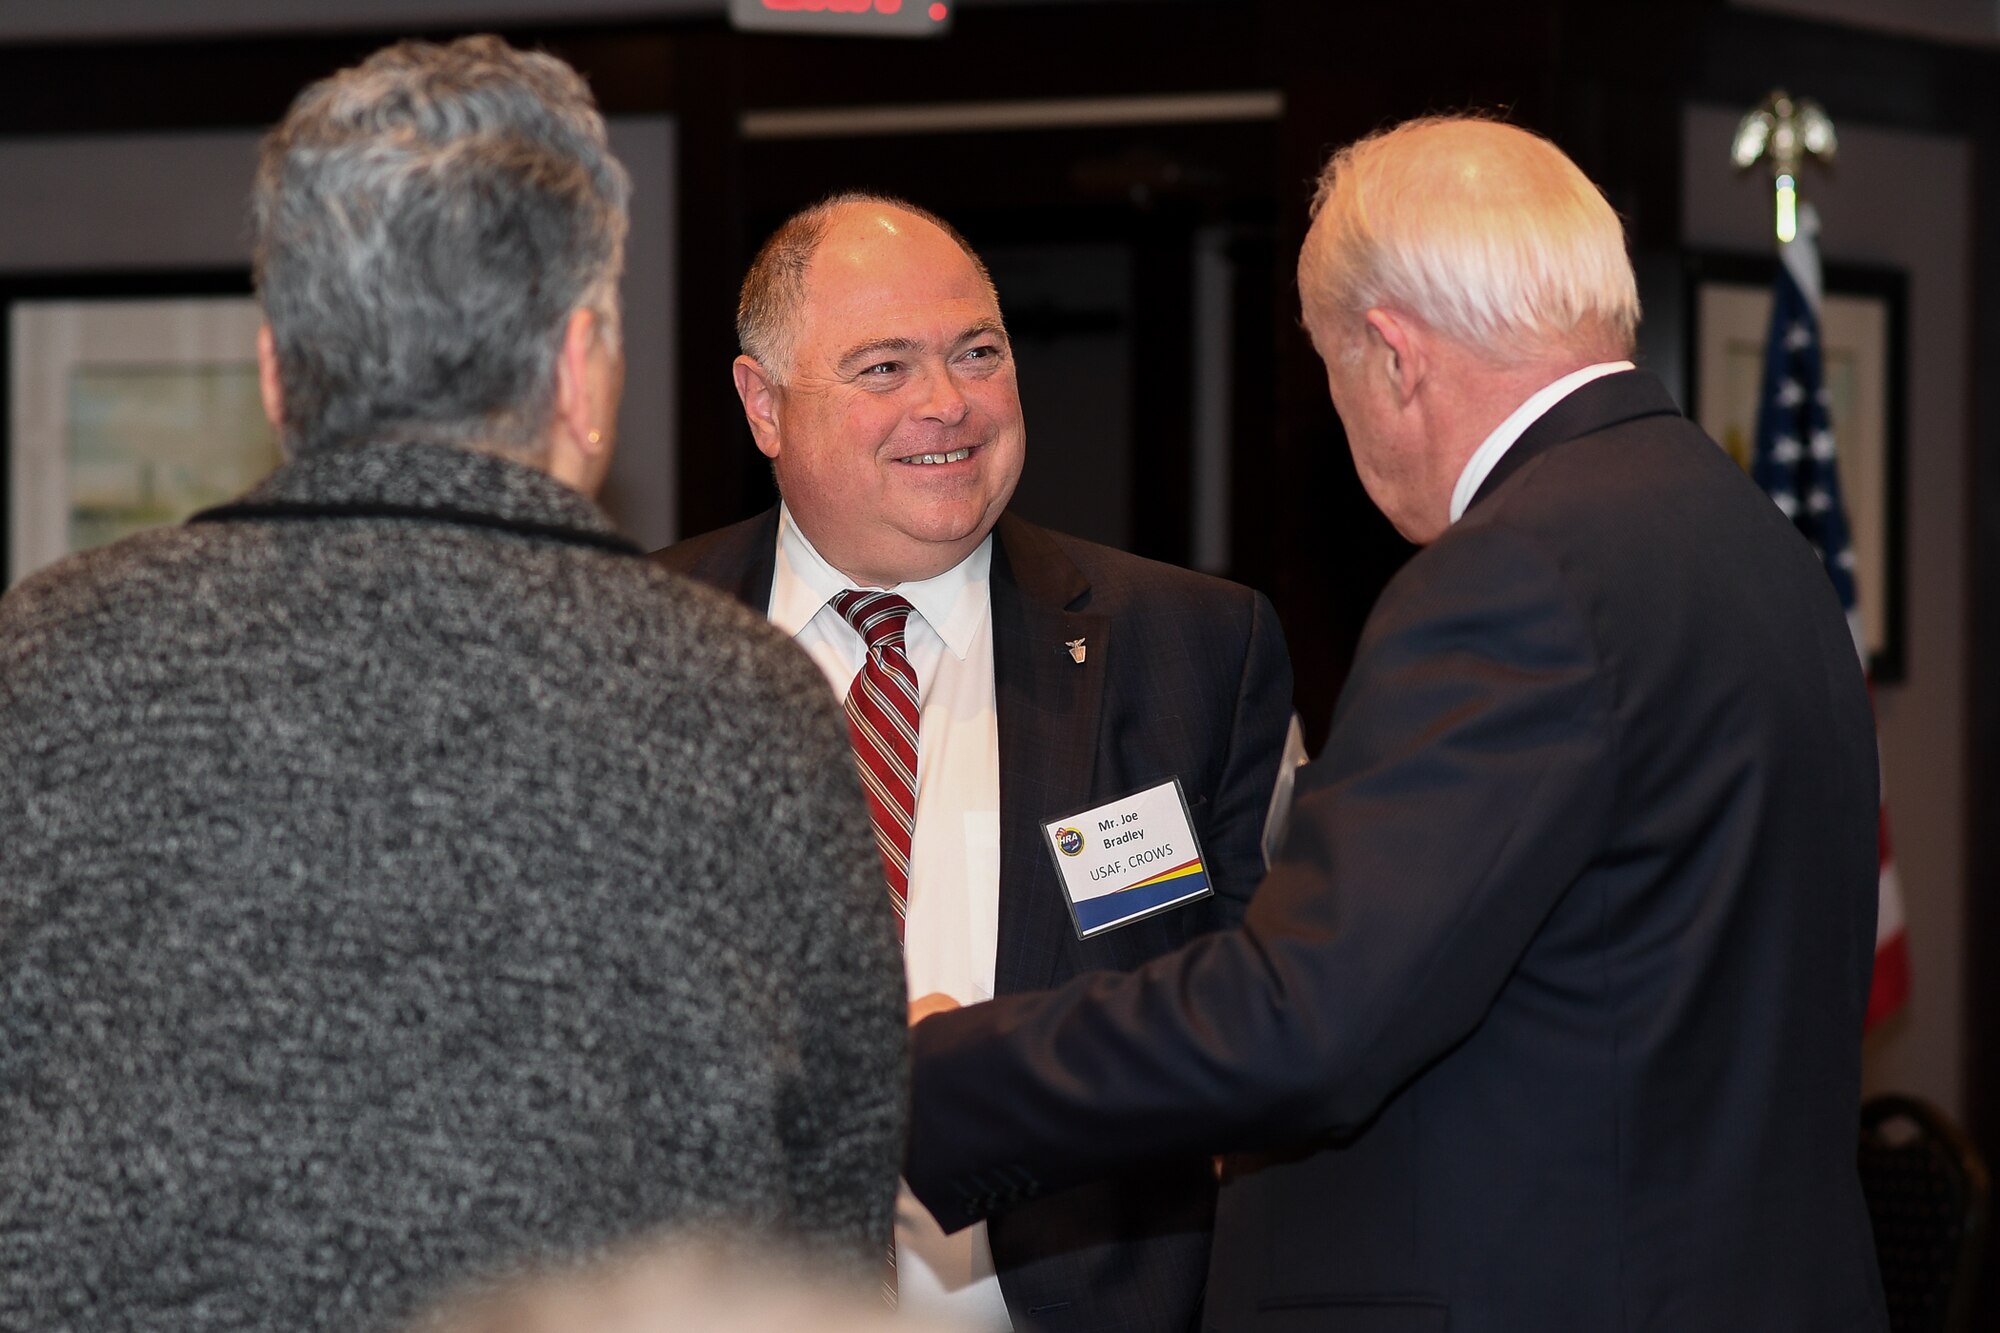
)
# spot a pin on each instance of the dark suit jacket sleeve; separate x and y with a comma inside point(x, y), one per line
point(1464, 787)
point(1262, 714)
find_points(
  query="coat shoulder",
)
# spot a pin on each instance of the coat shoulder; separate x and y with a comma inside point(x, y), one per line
point(732, 546)
point(1118, 581)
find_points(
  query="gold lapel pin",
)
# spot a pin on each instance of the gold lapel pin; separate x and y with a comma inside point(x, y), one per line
point(1075, 647)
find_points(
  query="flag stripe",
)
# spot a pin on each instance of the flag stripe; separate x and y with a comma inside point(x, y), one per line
point(1797, 464)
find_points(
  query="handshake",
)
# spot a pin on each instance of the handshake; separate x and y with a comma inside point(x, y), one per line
point(937, 1002)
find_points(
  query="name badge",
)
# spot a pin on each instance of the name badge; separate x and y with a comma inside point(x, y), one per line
point(1127, 859)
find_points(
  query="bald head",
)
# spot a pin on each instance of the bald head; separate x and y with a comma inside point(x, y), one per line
point(878, 379)
point(772, 302)
point(1487, 233)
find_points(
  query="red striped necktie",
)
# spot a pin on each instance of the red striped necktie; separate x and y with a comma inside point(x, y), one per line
point(882, 722)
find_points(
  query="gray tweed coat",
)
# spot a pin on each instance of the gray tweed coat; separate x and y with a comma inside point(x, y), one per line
point(383, 898)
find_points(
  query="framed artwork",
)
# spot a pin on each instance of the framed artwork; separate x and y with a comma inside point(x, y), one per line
point(1864, 323)
point(131, 401)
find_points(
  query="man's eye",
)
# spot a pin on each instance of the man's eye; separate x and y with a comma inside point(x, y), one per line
point(884, 369)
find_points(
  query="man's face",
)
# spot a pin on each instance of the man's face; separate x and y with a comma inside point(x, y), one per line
point(1341, 345)
point(898, 437)
point(1388, 460)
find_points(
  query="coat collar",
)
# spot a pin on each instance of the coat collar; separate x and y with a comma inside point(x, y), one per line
point(741, 559)
point(1598, 405)
point(412, 478)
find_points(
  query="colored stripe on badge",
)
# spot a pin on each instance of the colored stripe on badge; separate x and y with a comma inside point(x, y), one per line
point(1162, 890)
point(1185, 868)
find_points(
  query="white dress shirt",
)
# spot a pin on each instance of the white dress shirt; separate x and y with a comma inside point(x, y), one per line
point(1495, 446)
point(951, 930)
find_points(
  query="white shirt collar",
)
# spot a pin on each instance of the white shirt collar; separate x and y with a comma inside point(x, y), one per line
point(1495, 446)
point(952, 603)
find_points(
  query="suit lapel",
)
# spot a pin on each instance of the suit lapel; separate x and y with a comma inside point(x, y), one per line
point(1048, 710)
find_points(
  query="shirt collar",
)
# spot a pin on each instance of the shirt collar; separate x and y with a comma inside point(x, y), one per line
point(1494, 447)
point(953, 603)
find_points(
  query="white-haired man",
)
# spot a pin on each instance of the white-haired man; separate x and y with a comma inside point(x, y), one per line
point(1547, 1016)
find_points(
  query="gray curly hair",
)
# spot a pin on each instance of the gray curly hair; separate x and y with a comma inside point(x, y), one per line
point(424, 225)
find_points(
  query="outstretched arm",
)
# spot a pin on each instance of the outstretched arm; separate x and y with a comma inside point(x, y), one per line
point(1462, 791)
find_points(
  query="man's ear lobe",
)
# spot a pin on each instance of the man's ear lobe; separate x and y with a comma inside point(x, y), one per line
point(269, 388)
point(762, 399)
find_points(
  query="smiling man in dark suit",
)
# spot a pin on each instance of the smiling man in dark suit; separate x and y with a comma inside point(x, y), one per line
point(1548, 1015)
point(1013, 676)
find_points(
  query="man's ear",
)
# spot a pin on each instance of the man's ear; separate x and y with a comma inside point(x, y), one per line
point(579, 443)
point(268, 386)
point(762, 397)
point(573, 399)
point(1406, 352)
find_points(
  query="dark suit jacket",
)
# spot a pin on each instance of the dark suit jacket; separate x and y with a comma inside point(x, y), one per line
point(1183, 676)
point(1548, 1017)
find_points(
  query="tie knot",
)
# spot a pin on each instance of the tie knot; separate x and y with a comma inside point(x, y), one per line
point(878, 617)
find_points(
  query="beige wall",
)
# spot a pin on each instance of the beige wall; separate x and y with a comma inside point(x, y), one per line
point(1903, 200)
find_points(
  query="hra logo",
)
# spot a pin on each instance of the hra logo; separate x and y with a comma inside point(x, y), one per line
point(1069, 841)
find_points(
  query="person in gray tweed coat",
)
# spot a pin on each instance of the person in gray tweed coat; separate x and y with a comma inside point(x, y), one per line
point(401, 879)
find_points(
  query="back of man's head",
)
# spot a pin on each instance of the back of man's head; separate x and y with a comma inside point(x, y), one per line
point(1484, 231)
point(425, 223)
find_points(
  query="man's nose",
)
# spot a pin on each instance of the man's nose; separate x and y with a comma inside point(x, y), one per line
point(944, 398)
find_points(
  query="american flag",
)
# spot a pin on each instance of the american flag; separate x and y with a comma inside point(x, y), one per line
point(1794, 463)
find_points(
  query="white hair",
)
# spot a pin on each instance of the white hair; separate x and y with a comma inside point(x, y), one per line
point(1484, 231)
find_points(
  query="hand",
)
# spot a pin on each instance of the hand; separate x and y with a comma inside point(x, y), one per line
point(937, 1002)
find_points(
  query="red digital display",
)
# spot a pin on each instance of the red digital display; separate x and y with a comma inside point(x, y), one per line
point(859, 18)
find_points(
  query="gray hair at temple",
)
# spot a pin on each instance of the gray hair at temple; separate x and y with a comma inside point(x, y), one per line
point(774, 290)
point(1485, 231)
point(425, 223)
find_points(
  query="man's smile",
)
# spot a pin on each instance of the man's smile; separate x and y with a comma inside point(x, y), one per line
point(932, 460)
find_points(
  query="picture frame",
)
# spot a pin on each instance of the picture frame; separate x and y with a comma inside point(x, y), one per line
point(129, 400)
point(1865, 337)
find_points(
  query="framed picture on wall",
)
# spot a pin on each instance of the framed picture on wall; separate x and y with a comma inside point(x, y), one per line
point(131, 401)
point(1864, 335)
